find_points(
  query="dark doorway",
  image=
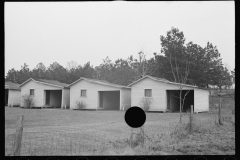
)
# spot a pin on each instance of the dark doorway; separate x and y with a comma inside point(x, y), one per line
point(47, 98)
point(173, 101)
point(6, 97)
point(53, 98)
point(109, 100)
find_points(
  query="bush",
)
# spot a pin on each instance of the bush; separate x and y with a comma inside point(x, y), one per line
point(145, 103)
point(28, 101)
point(80, 105)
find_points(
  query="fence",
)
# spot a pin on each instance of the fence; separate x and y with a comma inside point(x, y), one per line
point(227, 102)
point(59, 142)
point(107, 137)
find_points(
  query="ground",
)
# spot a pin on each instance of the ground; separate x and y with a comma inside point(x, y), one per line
point(74, 132)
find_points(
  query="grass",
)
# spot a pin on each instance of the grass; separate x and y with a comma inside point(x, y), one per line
point(69, 132)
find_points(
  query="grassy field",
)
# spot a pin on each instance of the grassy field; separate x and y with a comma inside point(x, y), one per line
point(71, 132)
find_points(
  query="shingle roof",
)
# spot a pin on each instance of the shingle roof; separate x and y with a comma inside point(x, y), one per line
point(103, 82)
point(161, 79)
point(11, 85)
point(53, 82)
point(164, 81)
point(48, 82)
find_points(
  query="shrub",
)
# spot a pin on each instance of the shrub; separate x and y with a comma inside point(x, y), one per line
point(145, 103)
point(80, 105)
point(28, 101)
point(137, 137)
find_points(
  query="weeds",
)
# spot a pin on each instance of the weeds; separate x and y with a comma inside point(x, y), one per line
point(28, 101)
point(80, 105)
point(145, 103)
point(162, 135)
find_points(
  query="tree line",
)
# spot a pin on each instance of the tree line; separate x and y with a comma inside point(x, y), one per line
point(205, 66)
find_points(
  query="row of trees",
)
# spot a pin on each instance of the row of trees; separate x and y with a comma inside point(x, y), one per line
point(204, 66)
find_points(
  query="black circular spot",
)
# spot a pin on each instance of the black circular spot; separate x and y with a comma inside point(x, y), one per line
point(135, 117)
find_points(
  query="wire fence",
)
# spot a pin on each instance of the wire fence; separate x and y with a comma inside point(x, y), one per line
point(227, 102)
point(93, 140)
point(108, 138)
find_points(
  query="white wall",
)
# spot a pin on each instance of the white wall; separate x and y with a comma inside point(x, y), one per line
point(38, 92)
point(65, 97)
point(201, 100)
point(91, 99)
point(14, 97)
point(159, 94)
point(125, 99)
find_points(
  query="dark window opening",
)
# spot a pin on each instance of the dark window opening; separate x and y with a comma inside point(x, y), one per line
point(83, 93)
point(31, 92)
point(148, 93)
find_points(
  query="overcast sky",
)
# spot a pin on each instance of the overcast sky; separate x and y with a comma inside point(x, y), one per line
point(50, 32)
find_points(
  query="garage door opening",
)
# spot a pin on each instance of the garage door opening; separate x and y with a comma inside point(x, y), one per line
point(6, 97)
point(53, 98)
point(173, 102)
point(109, 100)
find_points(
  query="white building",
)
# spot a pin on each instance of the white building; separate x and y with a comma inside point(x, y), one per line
point(12, 94)
point(46, 93)
point(165, 95)
point(99, 94)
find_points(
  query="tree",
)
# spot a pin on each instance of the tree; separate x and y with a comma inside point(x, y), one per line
point(233, 75)
point(161, 67)
point(39, 71)
point(57, 72)
point(175, 51)
point(122, 73)
point(141, 66)
point(71, 65)
point(12, 75)
point(103, 71)
point(24, 74)
point(199, 64)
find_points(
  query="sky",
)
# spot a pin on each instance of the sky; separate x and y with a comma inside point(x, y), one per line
point(84, 32)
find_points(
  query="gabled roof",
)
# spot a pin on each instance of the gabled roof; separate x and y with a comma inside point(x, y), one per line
point(102, 82)
point(47, 82)
point(54, 82)
point(11, 85)
point(164, 81)
point(160, 79)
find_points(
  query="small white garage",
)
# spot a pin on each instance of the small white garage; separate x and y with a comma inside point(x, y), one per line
point(164, 95)
point(12, 94)
point(99, 95)
point(46, 93)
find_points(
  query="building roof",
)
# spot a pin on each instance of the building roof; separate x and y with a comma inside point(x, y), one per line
point(164, 81)
point(53, 82)
point(102, 82)
point(160, 79)
point(47, 82)
point(11, 85)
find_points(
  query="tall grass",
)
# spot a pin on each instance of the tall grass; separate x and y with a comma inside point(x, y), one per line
point(163, 136)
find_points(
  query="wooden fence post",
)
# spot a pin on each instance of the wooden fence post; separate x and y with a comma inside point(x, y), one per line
point(219, 112)
point(191, 114)
point(18, 136)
